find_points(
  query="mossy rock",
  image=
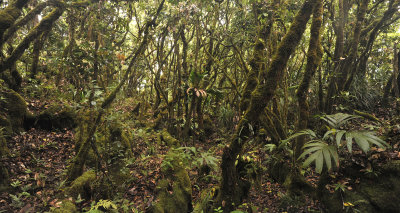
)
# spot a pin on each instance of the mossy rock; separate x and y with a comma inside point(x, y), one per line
point(174, 192)
point(67, 206)
point(165, 137)
point(82, 186)
point(15, 108)
point(57, 117)
point(373, 194)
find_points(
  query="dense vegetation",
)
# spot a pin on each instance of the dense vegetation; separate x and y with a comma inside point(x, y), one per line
point(199, 106)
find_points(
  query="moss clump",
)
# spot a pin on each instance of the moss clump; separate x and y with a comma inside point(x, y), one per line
point(82, 186)
point(165, 137)
point(15, 108)
point(57, 117)
point(67, 206)
point(174, 193)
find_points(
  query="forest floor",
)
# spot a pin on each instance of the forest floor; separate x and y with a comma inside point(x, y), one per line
point(39, 159)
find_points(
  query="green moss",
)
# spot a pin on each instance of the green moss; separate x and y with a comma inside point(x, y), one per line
point(82, 186)
point(170, 141)
point(174, 193)
point(67, 206)
point(373, 194)
point(8, 16)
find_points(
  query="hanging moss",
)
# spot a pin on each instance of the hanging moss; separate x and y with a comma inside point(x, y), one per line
point(174, 193)
point(82, 186)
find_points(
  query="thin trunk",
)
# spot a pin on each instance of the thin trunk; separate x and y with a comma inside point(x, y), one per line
point(314, 56)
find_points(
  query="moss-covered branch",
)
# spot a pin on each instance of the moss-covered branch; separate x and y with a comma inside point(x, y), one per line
point(44, 25)
point(23, 21)
point(10, 14)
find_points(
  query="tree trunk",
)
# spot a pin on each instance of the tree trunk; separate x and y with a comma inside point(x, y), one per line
point(230, 186)
point(314, 56)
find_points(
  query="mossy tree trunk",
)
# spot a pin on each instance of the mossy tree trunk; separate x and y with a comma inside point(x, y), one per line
point(349, 64)
point(10, 14)
point(257, 62)
point(229, 194)
point(314, 56)
point(339, 47)
point(37, 47)
point(23, 21)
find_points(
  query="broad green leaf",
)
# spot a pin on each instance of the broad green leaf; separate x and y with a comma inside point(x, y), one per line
point(361, 142)
point(339, 136)
point(349, 141)
point(334, 154)
point(327, 157)
point(319, 161)
point(311, 158)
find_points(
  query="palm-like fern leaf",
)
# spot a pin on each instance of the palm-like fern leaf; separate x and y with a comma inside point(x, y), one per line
point(320, 152)
point(339, 119)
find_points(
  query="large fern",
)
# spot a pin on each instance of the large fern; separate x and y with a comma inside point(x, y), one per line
point(325, 150)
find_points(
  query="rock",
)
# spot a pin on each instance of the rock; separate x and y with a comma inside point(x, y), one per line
point(373, 194)
point(14, 109)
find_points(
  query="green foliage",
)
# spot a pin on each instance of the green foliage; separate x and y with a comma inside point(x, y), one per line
point(103, 204)
point(324, 150)
point(199, 158)
point(225, 117)
point(195, 78)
